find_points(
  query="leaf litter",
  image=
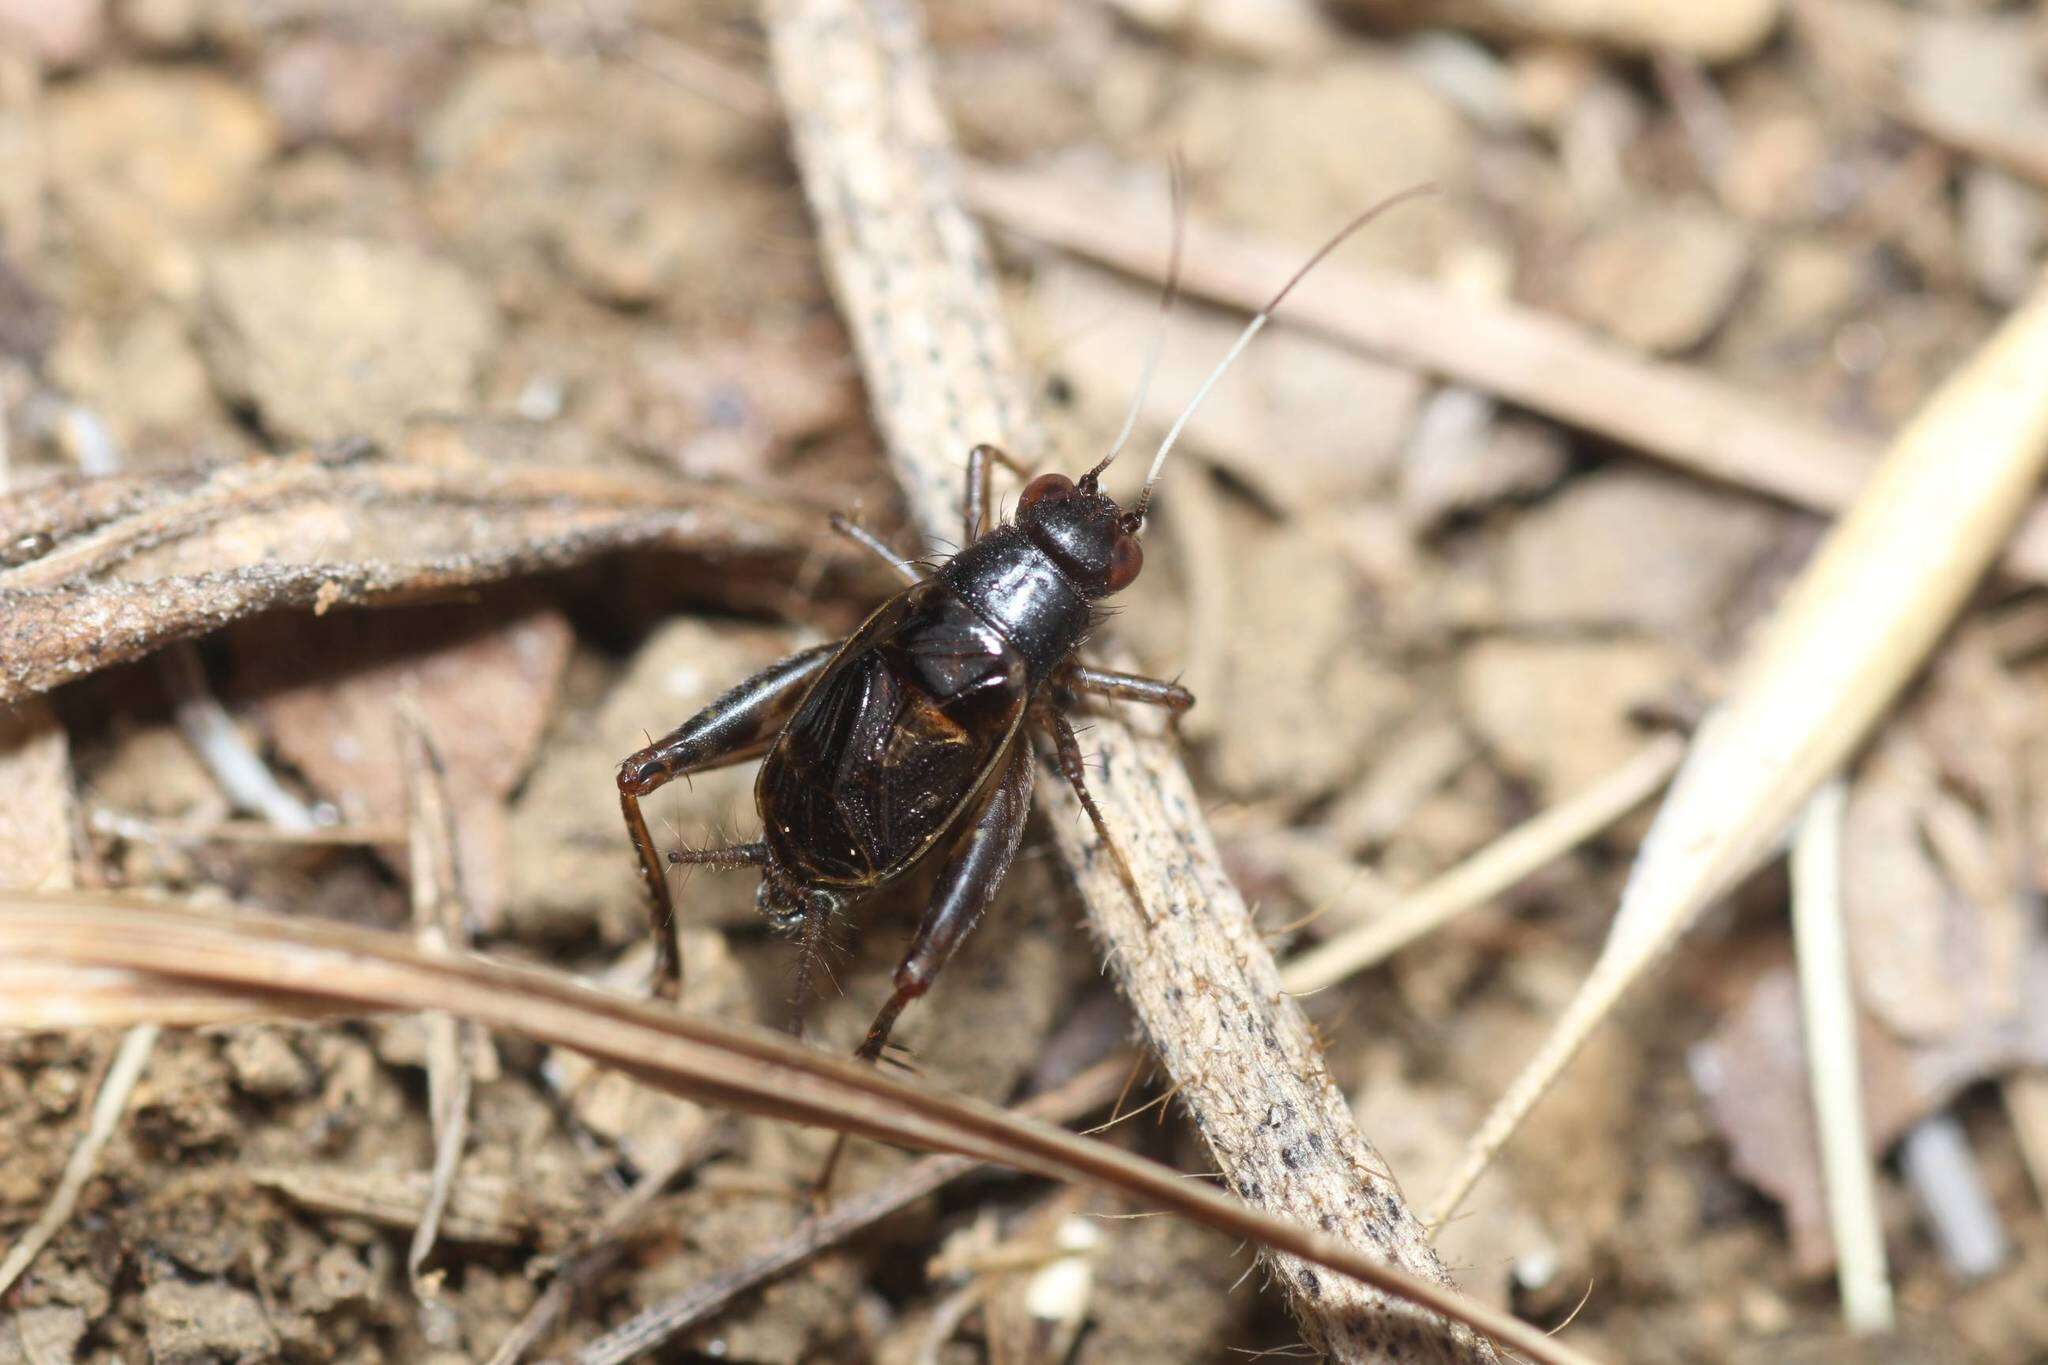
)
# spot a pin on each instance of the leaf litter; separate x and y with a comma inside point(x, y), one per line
point(641, 429)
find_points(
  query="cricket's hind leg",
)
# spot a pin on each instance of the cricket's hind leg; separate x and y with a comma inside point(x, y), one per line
point(974, 870)
point(738, 726)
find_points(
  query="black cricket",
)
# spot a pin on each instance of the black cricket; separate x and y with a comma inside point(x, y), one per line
point(910, 738)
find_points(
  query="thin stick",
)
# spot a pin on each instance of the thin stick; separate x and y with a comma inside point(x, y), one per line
point(1829, 1014)
point(601, 1248)
point(1492, 870)
point(1939, 1167)
point(438, 926)
point(649, 1328)
point(129, 1060)
point(914, 283)
point(147, 829)
point(236, 768)
point(1672, 413)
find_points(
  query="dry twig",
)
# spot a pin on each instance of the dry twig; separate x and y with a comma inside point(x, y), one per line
point(437, 924)
point(130, 1058)
point(1672, 413)
point(914, 283)
point(235, 766)
point(649, 1328)
point(1490, 871)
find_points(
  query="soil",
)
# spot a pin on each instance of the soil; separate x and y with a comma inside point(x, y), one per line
point(1414, 616)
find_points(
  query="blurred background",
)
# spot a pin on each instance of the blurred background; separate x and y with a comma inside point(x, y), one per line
point(1419, 603)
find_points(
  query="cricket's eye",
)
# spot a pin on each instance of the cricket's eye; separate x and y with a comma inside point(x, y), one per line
point(1057, 487)
point(1124, 562)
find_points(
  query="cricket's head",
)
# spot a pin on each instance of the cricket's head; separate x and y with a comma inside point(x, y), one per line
point(1094, 541)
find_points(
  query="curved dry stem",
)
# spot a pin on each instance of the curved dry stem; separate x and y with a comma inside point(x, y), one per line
point(301, 967)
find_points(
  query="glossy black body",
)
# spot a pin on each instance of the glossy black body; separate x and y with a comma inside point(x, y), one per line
point(909, 739)
point(915, 716)
point(892, 742)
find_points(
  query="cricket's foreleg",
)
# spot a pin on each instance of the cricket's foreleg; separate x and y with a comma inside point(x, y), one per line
point(978, 508)
point(738, 726)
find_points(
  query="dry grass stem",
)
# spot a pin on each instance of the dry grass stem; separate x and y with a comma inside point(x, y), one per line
point(599, 1249)
point(1938, 1166)
point(236, 768)
point(1857, 624)
point(1492, 870)
point(1673, 413)
point(1828, 1010)
point(297, 967)
point(2026, 1103)
point(438, 927)
point(144, 829)
point(130, 1058)
point(913, 280)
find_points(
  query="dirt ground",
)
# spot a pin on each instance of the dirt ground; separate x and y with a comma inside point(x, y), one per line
point(1414, 615)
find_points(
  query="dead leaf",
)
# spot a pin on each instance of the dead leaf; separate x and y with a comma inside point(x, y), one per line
point(108, 570)
point(1753, 1072)
point(484, 679)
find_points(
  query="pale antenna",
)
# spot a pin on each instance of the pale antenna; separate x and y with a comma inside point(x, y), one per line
point(1178, 191)
point(1252, 329)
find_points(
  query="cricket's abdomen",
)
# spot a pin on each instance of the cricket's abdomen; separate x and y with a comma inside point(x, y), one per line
point(893, 742)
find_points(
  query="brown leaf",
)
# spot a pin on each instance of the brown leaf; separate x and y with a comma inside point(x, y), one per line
point(1932, 852)
point(484, 681)
point(1753, 1071)
point(106, 571)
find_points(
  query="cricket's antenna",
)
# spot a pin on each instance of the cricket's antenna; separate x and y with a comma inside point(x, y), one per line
point(1176, 174)
point(1244, 338)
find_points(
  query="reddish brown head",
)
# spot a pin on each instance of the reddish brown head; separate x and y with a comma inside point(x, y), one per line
point(1094, 541)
